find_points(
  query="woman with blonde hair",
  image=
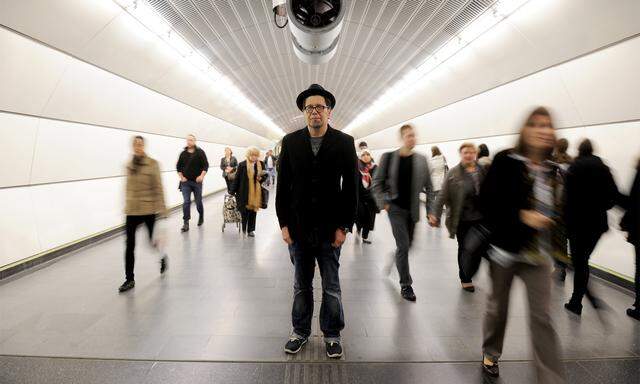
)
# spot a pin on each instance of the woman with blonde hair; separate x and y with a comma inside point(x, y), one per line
point(247, 186)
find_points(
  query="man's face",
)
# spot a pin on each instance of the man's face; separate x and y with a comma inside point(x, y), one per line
point(316, 112)
point(138, 147)
point(191, 141)
point(409, 138)
point(468, 155)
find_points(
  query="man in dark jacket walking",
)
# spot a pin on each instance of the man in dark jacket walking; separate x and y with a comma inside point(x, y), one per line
point(403, 174)
point(590, 192)
point(192, 167)
point(630, 223)
point(316, 203)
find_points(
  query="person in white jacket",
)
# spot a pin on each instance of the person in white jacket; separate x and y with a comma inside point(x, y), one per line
point(439, 168)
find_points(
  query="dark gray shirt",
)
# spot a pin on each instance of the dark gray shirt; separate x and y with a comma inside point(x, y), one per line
point(316, 142)
point(471, 187)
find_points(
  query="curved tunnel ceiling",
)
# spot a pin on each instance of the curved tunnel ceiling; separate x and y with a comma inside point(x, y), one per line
point(380, 42)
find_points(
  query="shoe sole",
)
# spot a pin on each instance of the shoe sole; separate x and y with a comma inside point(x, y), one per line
point(125, 290)
point(334, 356)
point(292, 352)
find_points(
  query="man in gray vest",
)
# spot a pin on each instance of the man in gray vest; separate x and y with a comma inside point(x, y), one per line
point(397, 184)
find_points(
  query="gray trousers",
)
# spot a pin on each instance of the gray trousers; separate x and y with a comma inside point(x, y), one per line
point(402, 226)
point(546, 348)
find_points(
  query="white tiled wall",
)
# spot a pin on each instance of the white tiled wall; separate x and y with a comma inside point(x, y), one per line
point(62, 169)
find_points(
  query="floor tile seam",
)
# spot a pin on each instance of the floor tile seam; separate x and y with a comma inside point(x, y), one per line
point(347, 362)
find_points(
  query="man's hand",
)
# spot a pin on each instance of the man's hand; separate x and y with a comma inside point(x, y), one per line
point(341, 236)
point(386, 207)
point(535, 219)
point(285, 236)
point(183, 179)
point(199, 179)
point(433, 221)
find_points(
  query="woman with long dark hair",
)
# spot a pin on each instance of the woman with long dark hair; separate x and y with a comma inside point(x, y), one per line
point(520, 203)
point(367, 208)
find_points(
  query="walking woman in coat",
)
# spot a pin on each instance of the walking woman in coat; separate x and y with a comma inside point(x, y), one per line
point(520, 202)
point(367, 208)
point(631, 224)
point(248, 189)
point(459, 193)
point(144, 202)
point(228, 166)
point(438, 166)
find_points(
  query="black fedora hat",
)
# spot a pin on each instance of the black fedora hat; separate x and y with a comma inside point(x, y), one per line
point(315, 90)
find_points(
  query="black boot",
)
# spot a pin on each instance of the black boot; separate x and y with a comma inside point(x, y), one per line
point(200, 220)
point(407, 293)
point(574, 307)
point(127, 285)
point(185, 227)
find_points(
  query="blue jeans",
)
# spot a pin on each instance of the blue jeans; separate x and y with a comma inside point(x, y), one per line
point(331, 314)
point(187, 188)
point(272, 175)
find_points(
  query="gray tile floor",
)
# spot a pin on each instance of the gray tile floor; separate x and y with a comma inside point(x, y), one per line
point(228, 299)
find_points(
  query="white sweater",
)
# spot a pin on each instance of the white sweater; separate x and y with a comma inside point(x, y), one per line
point(437, 166)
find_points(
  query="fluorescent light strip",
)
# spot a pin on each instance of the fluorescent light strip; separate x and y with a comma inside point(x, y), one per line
point(154, 23)
point(499, 11)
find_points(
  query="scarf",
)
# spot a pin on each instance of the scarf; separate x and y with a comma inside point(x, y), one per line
point(254, 200)
point(136, 163)
point(365, 173)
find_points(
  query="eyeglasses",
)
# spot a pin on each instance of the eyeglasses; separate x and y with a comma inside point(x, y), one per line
point(318, 108)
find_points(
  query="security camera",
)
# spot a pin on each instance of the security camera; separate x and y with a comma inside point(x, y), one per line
point(315, 27)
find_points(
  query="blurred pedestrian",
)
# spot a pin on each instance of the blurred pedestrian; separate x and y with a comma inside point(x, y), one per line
point(590, 192)
point(459, 193)
point(631, 225)
point(367, 208)
point(520, 202)
point(228, 166)
point(247, 186)
point(144, 203)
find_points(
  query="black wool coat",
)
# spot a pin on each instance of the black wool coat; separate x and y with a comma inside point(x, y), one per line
point(317, 194)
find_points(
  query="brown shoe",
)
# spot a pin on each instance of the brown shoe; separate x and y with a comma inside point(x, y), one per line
point(468, 287)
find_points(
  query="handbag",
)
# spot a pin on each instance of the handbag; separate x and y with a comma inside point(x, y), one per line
point(475, 247)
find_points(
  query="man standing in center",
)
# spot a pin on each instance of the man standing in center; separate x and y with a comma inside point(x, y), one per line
point(397, 184)
point(316, 203)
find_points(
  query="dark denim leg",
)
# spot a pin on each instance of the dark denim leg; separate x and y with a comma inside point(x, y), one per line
point(582, 245)
point(129, 256)
point(302, 311)
point(186, 200)
point(402, 229)
point(245, 219)
point(331, 313)
point(463, 229)
point(251, 220)
point(197, 195)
